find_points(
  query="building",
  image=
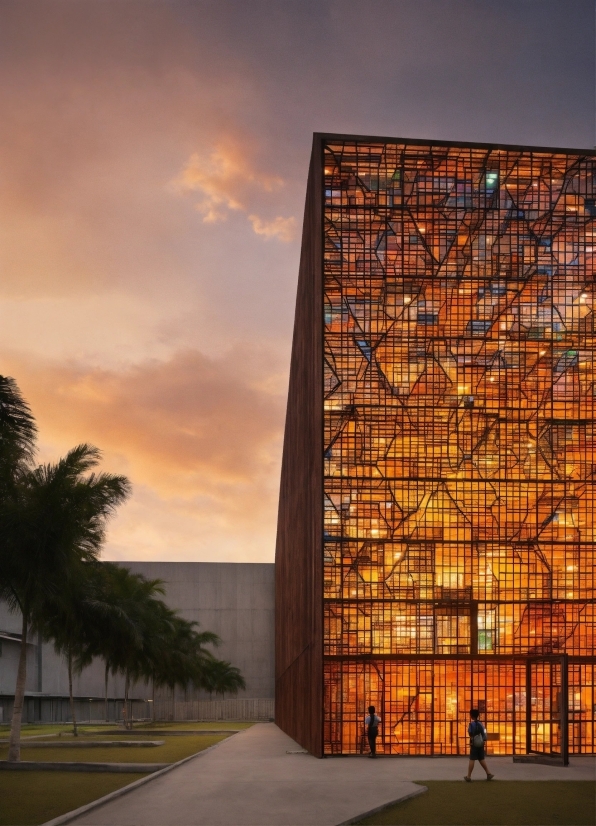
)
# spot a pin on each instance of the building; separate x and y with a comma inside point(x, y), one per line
point(234, 600)
point(436, 525)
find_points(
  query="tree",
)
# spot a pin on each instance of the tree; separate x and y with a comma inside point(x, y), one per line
point(180, 654)
point(52, 519)
point(17, 450)
point(130, 626)
point(17, 435)
point(76, 620)
point(221, 677)
point(114, 589)
point(142, 638)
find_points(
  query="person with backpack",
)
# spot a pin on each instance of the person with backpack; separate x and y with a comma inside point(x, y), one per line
point(371, 723)
point(478, 738)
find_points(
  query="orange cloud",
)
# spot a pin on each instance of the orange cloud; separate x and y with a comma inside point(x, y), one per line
point(218, 177)
point(199, 438)
point(282, 228)
point(226, 181)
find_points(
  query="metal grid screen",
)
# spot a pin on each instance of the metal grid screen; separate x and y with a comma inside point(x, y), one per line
point(459, 437)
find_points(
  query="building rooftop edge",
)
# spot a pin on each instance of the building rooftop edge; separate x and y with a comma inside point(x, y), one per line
point(511, 147)
point(178, 562)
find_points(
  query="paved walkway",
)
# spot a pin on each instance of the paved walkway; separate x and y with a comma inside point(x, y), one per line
point(250, 780)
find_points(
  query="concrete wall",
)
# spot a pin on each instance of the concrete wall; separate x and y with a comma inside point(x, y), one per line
point(10, 644)
point(234, 600)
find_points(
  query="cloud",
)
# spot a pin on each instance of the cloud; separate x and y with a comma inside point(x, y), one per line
point(199, 438)
point(227, 181)
point(282, 228)
point(218, 177)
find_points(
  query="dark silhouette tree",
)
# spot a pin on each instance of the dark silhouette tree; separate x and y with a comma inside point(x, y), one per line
point(77, 619)
point(140, 637)
point(18, 434)
point(222, 677)
point(52, 519)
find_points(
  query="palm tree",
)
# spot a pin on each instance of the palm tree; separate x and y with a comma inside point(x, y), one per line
point(128, 629)
point(111, 584)
point(75, 620)
point(17, 449)
point(51, 521)
point(179, 653)
point(164, 648)
point(17, 434)
point(141, 638)
point(107, 611)
point(221, 677)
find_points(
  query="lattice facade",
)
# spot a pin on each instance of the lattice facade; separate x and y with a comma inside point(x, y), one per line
point(459, 434)
point(435, 537)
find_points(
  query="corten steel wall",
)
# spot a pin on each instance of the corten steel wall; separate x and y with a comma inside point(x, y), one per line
point(299, 554)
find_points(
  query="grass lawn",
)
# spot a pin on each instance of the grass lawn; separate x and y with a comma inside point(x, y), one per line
point(174, 749)
point(34, 797)
point(36, 730)
point(501, 803)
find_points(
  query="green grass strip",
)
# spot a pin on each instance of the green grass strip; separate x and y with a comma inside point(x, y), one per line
point(499, 803)
point(30, 798)
point(173, 749)
point(41, 729)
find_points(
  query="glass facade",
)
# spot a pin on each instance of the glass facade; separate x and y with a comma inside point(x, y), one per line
point(459, 444)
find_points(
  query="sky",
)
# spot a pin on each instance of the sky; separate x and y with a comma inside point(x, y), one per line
point(153, 162)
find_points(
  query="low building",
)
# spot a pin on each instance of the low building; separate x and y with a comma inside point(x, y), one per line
point(234, 600)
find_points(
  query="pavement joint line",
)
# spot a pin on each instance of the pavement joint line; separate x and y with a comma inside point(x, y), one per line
point(382, 807)
point(95, 804)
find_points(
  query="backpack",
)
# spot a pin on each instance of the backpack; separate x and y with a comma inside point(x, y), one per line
point(478, 739)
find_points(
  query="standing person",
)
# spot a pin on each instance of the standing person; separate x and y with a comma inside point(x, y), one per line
point(478, 738)
point(371, 722)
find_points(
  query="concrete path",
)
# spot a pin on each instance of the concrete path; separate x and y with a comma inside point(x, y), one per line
point(250, 780)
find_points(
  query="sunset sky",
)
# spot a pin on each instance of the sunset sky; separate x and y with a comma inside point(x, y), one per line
point(153, 161)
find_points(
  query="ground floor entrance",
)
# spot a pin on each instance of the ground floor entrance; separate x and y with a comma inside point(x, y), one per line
point(542, 705)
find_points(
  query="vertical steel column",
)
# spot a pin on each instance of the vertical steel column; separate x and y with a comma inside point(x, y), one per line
point(564, 709)
point(528, 706)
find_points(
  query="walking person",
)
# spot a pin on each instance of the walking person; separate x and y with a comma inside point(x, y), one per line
point(371, 722)
point(478, 738)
